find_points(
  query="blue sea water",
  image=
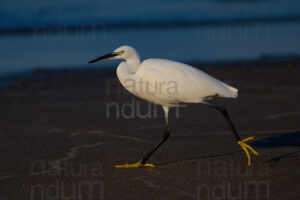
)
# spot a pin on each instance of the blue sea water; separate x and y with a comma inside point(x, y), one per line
point(33, 13)
point(55, 46)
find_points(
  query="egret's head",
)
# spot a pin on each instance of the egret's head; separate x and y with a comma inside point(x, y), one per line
point(123, 52)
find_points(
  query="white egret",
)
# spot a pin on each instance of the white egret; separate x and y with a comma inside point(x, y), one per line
point(152, 79)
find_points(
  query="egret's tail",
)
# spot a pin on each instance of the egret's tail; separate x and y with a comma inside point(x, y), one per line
point(230, 92)
point(234, 91)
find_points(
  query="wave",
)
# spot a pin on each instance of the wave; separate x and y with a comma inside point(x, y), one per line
point(129, 25)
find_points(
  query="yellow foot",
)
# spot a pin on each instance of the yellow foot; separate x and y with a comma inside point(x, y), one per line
point(245, 147)
point(135, 165)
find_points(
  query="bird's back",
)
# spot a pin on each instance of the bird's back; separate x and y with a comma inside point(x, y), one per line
point(173, 82)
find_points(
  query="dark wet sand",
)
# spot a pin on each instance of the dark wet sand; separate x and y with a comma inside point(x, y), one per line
point(60, 122)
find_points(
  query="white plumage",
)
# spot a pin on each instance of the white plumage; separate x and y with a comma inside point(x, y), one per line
point(170, 83)
point(167, 82)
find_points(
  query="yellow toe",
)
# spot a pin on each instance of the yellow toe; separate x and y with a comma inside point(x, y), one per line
point(148, 165)
point(135, 165)
point(245, 147)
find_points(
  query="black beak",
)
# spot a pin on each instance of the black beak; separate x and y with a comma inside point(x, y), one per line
point(109, 55)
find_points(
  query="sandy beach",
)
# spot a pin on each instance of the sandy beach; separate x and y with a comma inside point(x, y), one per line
point(59, 140)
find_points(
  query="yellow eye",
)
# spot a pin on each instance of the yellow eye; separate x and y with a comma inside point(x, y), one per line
point(121, 52)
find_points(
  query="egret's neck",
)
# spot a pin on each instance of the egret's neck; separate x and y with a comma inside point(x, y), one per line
point(128, 68)
point(133, 63)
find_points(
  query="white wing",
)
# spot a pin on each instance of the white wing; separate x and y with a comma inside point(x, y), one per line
point(170, 82)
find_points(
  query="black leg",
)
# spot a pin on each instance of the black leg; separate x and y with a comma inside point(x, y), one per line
point(163, 139)
point(225, 114)
point(242, 143)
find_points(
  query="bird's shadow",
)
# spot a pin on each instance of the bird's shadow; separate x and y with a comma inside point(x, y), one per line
point(195, 159)
point(289, 139)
